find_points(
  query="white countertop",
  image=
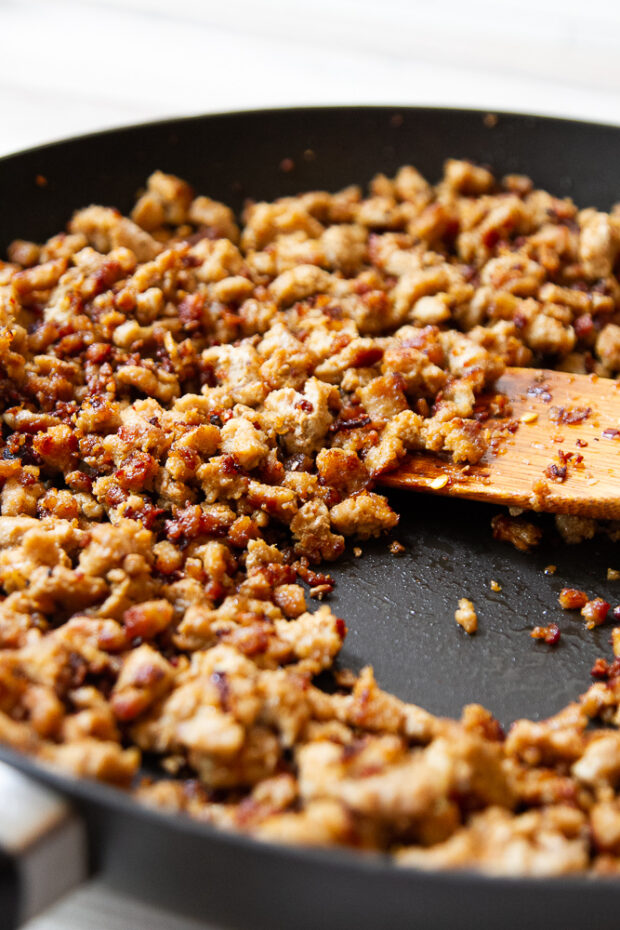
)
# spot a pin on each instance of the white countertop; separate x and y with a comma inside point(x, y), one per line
point(69, 66)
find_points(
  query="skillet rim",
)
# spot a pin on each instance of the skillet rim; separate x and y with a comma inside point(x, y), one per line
point(386, 108)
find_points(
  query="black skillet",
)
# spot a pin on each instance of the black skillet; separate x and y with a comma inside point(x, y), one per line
point(399, 608)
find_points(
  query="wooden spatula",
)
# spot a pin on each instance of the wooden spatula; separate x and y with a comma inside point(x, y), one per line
point(558, 451)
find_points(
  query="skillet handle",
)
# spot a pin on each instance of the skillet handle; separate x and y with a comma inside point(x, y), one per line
point(43, 850)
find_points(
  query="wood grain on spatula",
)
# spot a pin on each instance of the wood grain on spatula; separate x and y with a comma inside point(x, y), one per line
point(559, 451)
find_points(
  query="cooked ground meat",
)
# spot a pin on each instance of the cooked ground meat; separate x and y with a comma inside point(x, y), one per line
point(520, 533)
point(466, 616)
point(193, 416)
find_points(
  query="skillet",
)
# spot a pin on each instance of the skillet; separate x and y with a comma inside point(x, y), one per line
point(399, 609)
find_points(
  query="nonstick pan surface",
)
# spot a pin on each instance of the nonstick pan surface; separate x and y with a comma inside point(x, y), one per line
point(399, 609)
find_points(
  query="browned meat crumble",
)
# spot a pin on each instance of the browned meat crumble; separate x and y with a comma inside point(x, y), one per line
point(193, 417)
point(466, 616)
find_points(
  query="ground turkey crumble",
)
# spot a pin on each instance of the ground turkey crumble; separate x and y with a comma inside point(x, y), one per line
point(193, 418)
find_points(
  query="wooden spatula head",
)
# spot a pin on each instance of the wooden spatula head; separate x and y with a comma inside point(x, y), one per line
point(558, 451)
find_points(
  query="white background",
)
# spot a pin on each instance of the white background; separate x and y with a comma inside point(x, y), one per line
point(68, 66)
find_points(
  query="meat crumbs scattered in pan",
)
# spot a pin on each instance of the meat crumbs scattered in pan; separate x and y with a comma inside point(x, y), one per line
point(193, 416)
point(466, 616)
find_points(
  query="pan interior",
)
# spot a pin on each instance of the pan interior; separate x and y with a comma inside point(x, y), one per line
point(400, 612)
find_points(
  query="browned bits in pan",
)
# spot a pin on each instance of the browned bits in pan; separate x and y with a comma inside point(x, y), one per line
point(549, 634)
point(595, 612)
point(522, 534)
point(466, 616)
point(572, 599)
point(570, 416)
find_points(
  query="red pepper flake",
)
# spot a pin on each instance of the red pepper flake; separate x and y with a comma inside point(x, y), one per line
point(364, 358)
point(581, 443)
point(611, 433)
point(541, 391)
point(229, 465)
point(147, 513)
point(549, 634)
point(604, 669)
point(490, 238)
point(352, 423)
point(600, 669)
point(215, 591)
point(575, 415)
point(583, 326)
point(556, 472)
